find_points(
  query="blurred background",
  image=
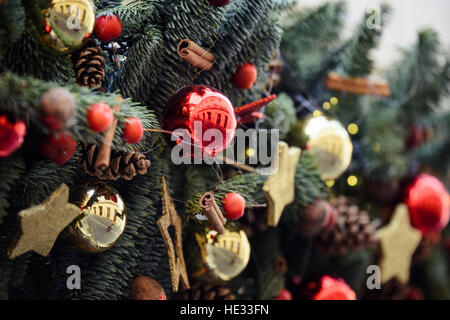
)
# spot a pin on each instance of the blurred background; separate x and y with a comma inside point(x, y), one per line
point(408, 17)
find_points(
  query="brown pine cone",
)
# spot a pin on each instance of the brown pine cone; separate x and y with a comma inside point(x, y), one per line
point(203, 291)
point(89, 64)
point(124, 165)
point(352, 230)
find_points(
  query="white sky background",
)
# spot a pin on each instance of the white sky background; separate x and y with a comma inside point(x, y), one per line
point(407, 18)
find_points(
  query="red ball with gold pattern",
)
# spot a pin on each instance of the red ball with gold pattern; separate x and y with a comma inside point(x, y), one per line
point(428, 204)
point(196, 110)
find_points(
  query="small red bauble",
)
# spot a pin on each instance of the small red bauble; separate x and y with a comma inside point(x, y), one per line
point(234, 205)
point(196, 109)
point(333, 289)
point(11, 136)
point(133, 131)
point(107, 27)
point(219, 3)
point(428, 204)
point(59, 148)
point(245, 76)
point(100, 117)
point(283, 295)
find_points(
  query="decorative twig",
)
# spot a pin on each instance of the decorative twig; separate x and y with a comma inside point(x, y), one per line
point(250, 118)
point(254, 106)
point(235, 164)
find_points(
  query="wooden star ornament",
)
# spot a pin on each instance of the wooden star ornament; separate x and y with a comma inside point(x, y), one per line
point(279, 188)
point(40, 225)
point(174, 251)
point(398, 241)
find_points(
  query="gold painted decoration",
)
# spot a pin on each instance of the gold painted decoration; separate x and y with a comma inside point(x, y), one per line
point(40, 225)
point(170, 218)
point(279, 188)
point(67, 24)
point(103, 218)
point(222, 256)
point(398, 241)
point(330, 144)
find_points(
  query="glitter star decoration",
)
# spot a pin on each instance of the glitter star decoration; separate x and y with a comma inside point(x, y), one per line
point(40, 225)
point(398, 241)
point(279, 189)
point(174, 250)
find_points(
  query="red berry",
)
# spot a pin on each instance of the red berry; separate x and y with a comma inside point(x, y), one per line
point(133, 131)
point(283, 295)
point(99, 117)
point(234, 205)
point(11, 136)
point(59, 148)
point(107, 27)
point(245, 76)
point(219, 3)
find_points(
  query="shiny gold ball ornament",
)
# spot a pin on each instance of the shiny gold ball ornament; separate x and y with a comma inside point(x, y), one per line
point(103, 217)
point(221, 257)
point(330, 144)
point(67, 24)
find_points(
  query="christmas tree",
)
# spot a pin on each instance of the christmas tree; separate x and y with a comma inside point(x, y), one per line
point(96, 202)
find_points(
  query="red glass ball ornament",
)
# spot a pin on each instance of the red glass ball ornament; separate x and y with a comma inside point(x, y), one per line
point(330, 288)
point(428, 204)
point(133, 131)
point(99, 117)
point(219, 3)
point(58, 147)
point(283, 295)
point(197, 109)
point(107, 27)
point(245, 76)
point(11, 136)
point(234, 205)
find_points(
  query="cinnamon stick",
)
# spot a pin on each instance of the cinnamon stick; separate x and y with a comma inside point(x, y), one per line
point(360, 86)
point(104, 154)
point(213, 212)
point(195, 55)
